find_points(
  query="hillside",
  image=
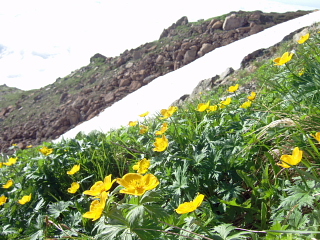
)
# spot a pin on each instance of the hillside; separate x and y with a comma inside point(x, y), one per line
point(31, 117)
point(238, 161)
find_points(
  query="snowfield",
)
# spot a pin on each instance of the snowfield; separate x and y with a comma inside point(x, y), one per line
point(164, 90)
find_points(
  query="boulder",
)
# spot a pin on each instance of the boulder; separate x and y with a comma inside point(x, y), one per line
point(134, 86)
point(205, 48)
point(182, 21)
point(190, 55)
point(250, 57)
point(217, 25)
point(109, 97)
point(98, 58)
point(226, 73)
point(149, 78)
point(255, 29)
point(79, 102)
point(204, 85)
point(136, 55)
point(160, 59)
point(164, 34)
point(129, 65)
point(168, 63)
point(120, 61)
point(124, 82)
point(233, 22)
point(177, 65)
point(73, 115)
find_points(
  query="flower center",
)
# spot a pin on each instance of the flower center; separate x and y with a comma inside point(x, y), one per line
point(138, 184)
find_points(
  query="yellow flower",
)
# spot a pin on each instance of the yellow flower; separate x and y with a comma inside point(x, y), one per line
point(304, 38)
point(3, 200)
point(233, 88)
point(142, 166)
point(144, 129)
point(163, 129)
point(29, 146)
point(8, 184)
point(161, 144)
point(11, 161)
point(97, 207)
point(136, 184)
point(168, 112)
point(221, 106)
point(1, 164)
point(190, 206)
point(226, 102)
point(246, 104)
point(252, 96)
point(203, 106)
point(133, 123)
point(302, 71)
point(46, 151)
point(286, 57)
point(144, 114)
point(212, 108)
point(100, 187)
point(25, 199)
point(74, 187)
point(14, 144)
point(317, 136)
point(74, 169)
point(293, 159)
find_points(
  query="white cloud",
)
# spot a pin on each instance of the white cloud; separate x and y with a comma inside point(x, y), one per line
point(309, 3)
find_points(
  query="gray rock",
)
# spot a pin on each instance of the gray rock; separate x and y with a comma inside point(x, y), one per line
point(233, 22)
point(182, 21)
point(129, 65)
point(226, 73)
point(189, 56)
point(217, 25)
point(205, 48)
point(149, 78)
point(204, 85)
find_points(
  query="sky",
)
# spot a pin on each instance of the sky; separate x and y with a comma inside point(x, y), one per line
point(182, 81)
point(42, 40)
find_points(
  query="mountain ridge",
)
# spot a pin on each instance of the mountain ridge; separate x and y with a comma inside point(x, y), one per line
point(45, 114)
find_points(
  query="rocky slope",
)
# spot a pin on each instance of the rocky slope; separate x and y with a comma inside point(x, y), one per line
point(31, 117)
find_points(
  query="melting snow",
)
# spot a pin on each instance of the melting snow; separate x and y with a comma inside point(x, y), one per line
point(164, 90)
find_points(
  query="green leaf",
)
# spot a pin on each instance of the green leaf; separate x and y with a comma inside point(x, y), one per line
point(38, 235)
point(233, 202)
point(245, 178)
point(110, 231)
point(264, 212)
point(224, 231)
point(156, 211)
point(7, 229)
point(135, 214)
point(55, 209)
point(181, 179)
point(149, 197)
point(272, 233)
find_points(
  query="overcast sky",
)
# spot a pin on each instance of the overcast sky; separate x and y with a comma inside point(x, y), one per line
point(41, 40)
